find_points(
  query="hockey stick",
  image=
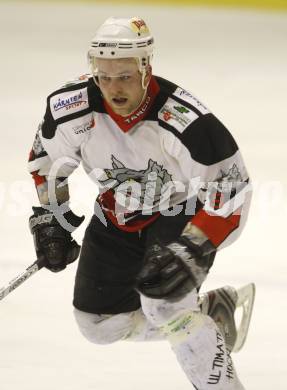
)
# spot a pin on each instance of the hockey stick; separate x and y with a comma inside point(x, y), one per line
point(18, 280)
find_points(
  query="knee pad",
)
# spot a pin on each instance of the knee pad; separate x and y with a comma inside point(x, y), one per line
point(104, 328)
point(175, 320)
point(161, 311)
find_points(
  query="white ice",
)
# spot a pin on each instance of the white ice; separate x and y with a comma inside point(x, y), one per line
point(235, 62)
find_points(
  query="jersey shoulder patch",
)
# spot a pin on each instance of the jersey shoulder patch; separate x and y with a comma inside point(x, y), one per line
point(68, 103)
point(187, 97)
point(177, 115)
point(69, 100)
point(178, 108)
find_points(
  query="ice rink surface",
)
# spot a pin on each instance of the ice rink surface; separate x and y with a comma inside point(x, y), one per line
point(235, 62)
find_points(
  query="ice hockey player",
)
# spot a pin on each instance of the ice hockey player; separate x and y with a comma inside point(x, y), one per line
point(173, 191)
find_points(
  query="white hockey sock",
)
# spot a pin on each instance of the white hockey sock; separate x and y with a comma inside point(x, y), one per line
point(201, 352)
point(197, 342)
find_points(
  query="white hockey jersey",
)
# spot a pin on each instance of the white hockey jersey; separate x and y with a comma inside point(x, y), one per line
point(172, 150)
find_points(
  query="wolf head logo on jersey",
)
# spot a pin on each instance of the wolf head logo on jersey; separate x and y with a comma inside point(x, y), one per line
point(223, 188)
point(151, 179)
point(37, 147)
point(232, 176)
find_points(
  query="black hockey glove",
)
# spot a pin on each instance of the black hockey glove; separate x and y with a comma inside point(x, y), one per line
point(53, 243)
point(171, 271)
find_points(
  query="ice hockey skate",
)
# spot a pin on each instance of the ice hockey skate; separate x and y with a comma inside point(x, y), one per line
point(223, 304)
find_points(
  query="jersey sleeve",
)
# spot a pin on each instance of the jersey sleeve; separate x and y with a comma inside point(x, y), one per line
point(54, 153)
point(212, 164)
point(56, 150)
point(51, 159)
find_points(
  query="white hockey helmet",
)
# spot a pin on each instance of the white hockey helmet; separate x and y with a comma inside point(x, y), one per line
point(122, 38)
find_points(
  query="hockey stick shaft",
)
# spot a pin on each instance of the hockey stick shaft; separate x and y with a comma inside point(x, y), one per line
point(21, 278)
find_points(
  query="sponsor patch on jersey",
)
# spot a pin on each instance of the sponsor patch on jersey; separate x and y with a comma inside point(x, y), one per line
point(177, 115)
point(139, 112)
point(84, 127)
point(186, 96)
point(68, 103)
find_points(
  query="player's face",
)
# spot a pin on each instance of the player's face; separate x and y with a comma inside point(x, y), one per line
point(121, 84)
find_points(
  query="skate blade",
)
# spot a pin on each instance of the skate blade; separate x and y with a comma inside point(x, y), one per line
point(245, 300)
